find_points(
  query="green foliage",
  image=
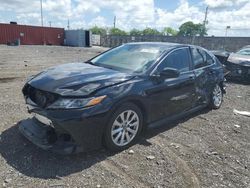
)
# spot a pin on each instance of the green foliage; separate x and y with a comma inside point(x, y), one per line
point(186, 29)
point(98, 30)
point(191, 29)
point(169, 31)
point(150, 31)
point(135, 32)
point(117, 31)
point(202, 30)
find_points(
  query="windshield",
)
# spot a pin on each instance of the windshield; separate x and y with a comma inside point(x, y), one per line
point(130, 57)
point(244, 51)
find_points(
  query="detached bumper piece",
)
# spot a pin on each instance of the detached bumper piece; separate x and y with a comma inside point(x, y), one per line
point(45, 137)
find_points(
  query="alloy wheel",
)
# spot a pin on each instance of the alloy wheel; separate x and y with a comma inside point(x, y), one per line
point(217, 96)
point(125, 128)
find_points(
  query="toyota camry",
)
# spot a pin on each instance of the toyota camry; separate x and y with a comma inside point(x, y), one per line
point(109, 99)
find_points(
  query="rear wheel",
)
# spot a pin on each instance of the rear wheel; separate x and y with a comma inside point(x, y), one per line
point(216, 97)
point(124, 127)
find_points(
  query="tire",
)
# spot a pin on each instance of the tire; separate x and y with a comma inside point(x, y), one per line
point(216, 97)
point(124, 127)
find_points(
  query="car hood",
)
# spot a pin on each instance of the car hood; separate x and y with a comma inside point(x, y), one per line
point(243, 60)
point(77, 79)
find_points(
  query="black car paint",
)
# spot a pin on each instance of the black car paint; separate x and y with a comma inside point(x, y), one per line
point(77, 79)
point(159, 99)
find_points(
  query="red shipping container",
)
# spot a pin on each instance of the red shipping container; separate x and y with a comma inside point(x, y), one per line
point(31, 35)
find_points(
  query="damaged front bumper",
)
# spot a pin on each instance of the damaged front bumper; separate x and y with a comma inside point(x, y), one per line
point(65, 131)
point(238, 71)
point(46, 138)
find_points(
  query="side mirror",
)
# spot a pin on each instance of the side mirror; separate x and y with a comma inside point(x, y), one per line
point(169, 73)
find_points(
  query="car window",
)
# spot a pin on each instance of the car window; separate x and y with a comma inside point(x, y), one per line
point(244, 51)
point(209, 59)
point(198, 58)
point(133, 58)
point(201, 58)
point(178, 59)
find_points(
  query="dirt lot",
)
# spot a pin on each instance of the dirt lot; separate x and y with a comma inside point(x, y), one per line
point(206, 149)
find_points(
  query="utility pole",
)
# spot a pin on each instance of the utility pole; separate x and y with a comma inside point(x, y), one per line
point(43, 37)
point(205, 20)
point(227, 28)
point(114, 21)
point(49, 23)
point(41, 3)
point(68, 25)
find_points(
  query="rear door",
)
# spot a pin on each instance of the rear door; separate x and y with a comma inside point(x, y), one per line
point(173, 95)
point(205, 75)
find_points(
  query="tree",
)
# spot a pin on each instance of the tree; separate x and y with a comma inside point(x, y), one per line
point(191, 29)
point(116, 31)
point(150, 31)
point(169, 31)
point(202, 29)
point(135, 32)
point(98, 30)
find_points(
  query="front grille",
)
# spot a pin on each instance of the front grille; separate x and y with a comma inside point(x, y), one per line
point(39, 97)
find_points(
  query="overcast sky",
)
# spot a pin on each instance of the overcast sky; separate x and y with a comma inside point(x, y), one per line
point(132, 13)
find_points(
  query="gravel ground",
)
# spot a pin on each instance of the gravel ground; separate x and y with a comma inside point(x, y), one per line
point(207, 149)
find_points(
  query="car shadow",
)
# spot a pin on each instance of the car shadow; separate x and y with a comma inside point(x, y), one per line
point(154, 131)
point(32, 161)
point(238, 81)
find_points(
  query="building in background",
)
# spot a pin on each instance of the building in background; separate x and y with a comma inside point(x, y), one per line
point(78, 38)
point(14, 34)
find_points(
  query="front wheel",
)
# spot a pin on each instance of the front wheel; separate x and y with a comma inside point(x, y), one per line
point(124, 127)
point(216, 97)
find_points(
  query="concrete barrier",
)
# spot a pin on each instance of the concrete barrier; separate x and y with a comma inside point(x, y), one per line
point(230, 44)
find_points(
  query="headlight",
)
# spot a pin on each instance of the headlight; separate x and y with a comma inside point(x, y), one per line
point(64, 103)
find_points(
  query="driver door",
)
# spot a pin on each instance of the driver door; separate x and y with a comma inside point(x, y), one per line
point(172, 96)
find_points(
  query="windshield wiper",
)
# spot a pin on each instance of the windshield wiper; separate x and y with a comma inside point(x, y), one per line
point(90, 62)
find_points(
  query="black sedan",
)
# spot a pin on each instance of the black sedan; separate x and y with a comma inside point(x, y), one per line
point(111, 98)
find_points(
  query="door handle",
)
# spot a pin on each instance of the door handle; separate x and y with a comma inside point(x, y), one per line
point(191, 77)
point(211, 72)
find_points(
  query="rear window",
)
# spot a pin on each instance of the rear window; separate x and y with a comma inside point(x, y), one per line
point(201, 58)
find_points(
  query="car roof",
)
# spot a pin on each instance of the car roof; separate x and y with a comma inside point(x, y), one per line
point(166, 45)
point(248, 46)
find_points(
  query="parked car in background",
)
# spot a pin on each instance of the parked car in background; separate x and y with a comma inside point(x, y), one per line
point(222, 55)
point(238, 63)
point(111, 98)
